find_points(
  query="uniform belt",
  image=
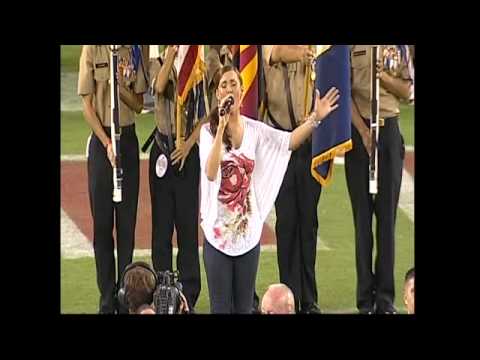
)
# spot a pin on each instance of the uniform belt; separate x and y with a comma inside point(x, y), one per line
point(381, 121)
point(129, 129)
point(165, 137)
point(160, 139)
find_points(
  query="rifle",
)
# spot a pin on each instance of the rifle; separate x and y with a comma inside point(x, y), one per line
point(374, 121)
point(115, 124)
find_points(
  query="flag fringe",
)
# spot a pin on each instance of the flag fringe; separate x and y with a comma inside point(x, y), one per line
point(328, 156)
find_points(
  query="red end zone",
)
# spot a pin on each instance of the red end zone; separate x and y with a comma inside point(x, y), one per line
point(75, 202)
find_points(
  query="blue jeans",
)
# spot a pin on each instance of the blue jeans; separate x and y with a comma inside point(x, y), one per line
point(231, 280)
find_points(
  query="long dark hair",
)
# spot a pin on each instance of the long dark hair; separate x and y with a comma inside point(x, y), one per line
point(213, 116)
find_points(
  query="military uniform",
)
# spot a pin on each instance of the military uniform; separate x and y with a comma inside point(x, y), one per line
point(94, 78)
point(174, 196)
point(375, 289)
point(296, 204)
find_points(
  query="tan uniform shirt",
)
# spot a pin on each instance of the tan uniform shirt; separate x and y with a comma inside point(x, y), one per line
point(94, 78)
point(167, 102)
point(360, 56)
point(275, 87)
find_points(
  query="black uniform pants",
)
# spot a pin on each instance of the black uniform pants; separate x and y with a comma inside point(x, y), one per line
point(175, 202)
point(375, 287)
point(105, 212)
point(296, 227)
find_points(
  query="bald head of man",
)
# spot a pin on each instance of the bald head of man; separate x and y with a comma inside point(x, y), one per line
point(278, 299)
point(409, 291)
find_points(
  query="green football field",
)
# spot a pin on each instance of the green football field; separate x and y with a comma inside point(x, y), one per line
point(335, 266)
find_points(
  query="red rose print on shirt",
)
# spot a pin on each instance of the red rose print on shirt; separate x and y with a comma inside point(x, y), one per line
point(235, 184)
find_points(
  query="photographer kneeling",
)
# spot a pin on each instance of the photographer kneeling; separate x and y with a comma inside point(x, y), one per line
point(144, 292)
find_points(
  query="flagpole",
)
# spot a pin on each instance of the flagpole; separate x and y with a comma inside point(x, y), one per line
point(179, 124)
point(205, 95)
point(308, 81)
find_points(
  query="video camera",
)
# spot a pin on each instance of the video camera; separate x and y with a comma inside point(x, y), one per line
point(166, 298)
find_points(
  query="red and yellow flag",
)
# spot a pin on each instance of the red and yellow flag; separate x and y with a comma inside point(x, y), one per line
point(249, 73)
point(190, 66)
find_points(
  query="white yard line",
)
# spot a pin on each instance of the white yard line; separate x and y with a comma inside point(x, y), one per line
point(148, 252)
point(407, 190)
point(339, 160)
point(407, 196)
point(71, 252)
point(82, 157)
point(73, 243)
point(70, 100)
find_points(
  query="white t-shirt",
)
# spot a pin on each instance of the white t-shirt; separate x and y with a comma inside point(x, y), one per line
point(235, 205)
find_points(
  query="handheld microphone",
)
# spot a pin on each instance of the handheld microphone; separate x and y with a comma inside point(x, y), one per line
point(226, 106)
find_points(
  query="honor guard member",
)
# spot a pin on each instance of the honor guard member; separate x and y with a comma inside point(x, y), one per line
point(296, 204)
point(376, 287)
point(174, 180)
point(94, 87)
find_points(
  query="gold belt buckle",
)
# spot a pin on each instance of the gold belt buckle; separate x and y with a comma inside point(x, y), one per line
point(381, 122)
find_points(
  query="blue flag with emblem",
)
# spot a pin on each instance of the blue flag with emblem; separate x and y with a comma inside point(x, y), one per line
point(407, 59)
point(333, 136)
point(136, 56)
